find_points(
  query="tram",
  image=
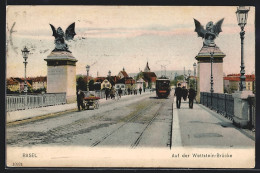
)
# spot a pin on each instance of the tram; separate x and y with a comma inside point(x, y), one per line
point(163, 88)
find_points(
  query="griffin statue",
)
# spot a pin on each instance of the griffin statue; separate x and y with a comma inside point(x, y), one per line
point(210, 33)
point(59, 35)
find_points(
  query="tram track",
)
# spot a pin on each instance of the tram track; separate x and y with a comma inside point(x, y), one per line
point(136, 115)
point(135, 144)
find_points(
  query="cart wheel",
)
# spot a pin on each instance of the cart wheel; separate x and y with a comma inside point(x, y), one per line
point(97, 104)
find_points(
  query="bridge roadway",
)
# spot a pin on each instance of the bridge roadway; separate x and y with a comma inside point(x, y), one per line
point(133, 121)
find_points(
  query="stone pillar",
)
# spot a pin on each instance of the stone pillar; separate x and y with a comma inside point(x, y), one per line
point(61, 74)
point(204, 67)
point(241, 108)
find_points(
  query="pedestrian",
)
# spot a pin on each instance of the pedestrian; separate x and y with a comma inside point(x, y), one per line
point(128, 91)
point(120, 92)
point(144, 89)
point(80, 99)
point(140, 90)
point(107, 93)
point(178, 94)
point(191, 96)
point(112, 93)
point(184, 93)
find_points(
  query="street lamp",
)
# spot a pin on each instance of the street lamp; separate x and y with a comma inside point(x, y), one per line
point(25, 53)
point(189, 72)
point(211, 74)
point(242, 13)
point(194, 66)
point(87, 68)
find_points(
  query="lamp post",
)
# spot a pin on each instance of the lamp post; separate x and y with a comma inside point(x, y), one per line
point(109, 73)
point(25, 53)
point(194, 67)
point(87, 68)
point(242, 13)
point(211, 74)
point(189, 72)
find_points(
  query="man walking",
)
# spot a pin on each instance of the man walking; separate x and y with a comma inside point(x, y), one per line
point(184, 93)
point(140, 90)
point(191, 96)
point(107, 93)
point(80, 98)
point(178, 94)
point(120, 92)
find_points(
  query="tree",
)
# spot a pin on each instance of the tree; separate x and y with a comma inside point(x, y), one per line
point(91, 85)
point(81, 84)
point(177, 78)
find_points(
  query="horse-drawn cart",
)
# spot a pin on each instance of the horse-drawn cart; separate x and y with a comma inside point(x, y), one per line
point(91, 101)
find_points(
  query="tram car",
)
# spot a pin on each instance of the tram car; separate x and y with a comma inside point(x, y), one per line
point(163, 88)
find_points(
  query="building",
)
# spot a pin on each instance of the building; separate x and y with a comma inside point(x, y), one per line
point(231, 83)
point(140, 83)
point(106, 84)
point(148, 77)
point(13, 85)
point(39, 82)
point(21, 82)
point(122, 74)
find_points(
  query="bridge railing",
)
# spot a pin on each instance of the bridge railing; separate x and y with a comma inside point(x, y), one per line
point(221, 103)
point(21, 102)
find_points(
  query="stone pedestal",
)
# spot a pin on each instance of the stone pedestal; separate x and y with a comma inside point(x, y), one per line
point(61, 74)
point(241, 108)
point(204, 70)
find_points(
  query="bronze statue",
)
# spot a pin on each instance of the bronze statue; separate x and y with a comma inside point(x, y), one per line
point(210, 33)
point(59, 35)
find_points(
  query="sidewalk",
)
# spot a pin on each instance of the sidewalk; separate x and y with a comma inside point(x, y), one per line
point(202, 127)
point(37, 112)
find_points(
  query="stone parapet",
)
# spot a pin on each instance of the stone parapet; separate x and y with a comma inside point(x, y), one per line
point(241, 107)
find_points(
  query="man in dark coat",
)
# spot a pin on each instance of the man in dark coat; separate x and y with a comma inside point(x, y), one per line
point(191, 96)
point(120, 92)
point(107, 92)
point(178, 94)
point(184, 93)
point(80, 98)
point(140, 90)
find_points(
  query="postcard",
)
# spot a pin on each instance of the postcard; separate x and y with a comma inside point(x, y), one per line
point(130, 86)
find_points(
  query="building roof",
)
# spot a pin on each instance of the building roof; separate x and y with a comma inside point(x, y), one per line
point(129, 80)
point(99, 79)
point(236, 77)
point(86, 79)
point(111, 79)
point(147, 68)
point(40, 79)
point(124, 73)
point(149, 76)
point(12, 81)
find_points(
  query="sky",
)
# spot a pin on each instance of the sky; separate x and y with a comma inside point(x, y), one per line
point(117, 37)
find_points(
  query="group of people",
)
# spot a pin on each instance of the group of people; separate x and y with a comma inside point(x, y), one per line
point(112, 93)
point(134, 91)
point(184, 93)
